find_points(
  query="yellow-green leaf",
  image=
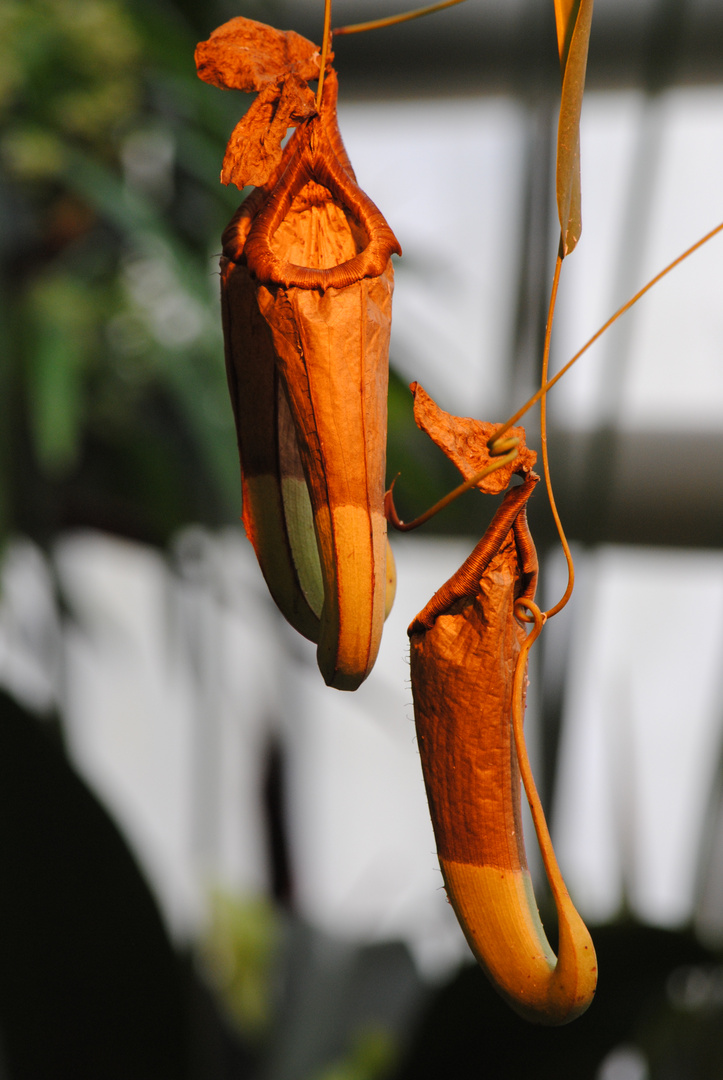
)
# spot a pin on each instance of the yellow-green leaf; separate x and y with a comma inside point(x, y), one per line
point(573, 18)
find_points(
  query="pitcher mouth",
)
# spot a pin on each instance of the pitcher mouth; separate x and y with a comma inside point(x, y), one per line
point(315, 160)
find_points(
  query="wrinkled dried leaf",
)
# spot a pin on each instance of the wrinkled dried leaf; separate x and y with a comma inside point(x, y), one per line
point(246, 55)
point(573, 19)
point(464, 441)
point(255, 149)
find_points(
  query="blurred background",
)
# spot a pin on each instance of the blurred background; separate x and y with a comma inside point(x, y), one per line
point(213, 866)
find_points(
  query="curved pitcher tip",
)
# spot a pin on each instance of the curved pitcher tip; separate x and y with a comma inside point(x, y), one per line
point(497, 911)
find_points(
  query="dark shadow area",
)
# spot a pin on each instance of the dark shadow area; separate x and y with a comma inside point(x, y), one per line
point(90, 985)
point(644, 1000)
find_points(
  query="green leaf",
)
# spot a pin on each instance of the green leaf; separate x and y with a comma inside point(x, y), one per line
point(61, 317)
point(573, 18)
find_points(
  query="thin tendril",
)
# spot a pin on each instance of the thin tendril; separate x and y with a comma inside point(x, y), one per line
point(402, 526)
point(543, 439)
point(324, 51)
point(613, 318)
point(518, 713)
point(392, 20)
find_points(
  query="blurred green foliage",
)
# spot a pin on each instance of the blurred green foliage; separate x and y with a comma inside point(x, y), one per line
point(238, 957)
point(113, 405)
point(372, 1054)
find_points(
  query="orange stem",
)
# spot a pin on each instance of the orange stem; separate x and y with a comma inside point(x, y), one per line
point(543, 439)
point(613, 318)
point(392, 20)
point(325, 43)
point(402, 526)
